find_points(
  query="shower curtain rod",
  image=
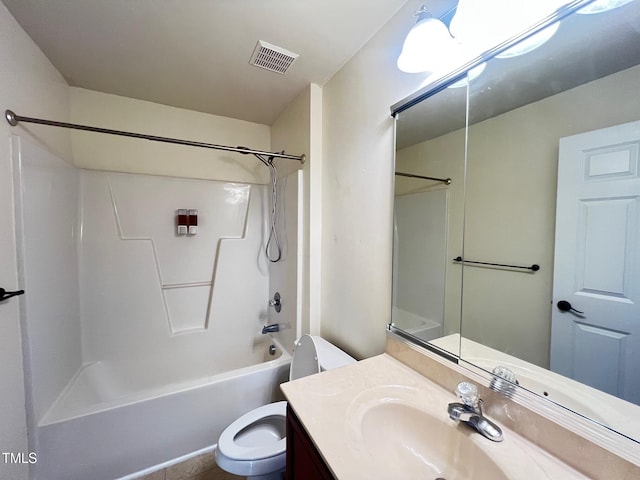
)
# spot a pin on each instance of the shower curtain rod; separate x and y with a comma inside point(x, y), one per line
point(446, 181)
point(13, 120)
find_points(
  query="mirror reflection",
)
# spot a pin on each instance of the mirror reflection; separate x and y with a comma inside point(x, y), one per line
point(429, 194)
point(552, 180)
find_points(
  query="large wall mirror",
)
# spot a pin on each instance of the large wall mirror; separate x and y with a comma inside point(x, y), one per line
point(527, 264)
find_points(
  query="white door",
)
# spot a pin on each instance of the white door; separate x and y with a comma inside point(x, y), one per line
point(597, 261)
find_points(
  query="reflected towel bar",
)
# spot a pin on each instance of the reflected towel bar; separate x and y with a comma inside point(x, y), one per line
point(534, 268)
point(446, 181)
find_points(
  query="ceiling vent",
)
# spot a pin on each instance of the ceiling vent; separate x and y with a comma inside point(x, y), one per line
point(272, 58)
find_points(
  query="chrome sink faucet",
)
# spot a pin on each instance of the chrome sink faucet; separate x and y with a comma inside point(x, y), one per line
point(469, 411)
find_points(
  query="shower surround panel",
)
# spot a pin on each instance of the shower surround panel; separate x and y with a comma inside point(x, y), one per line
point(166, 293)
point(46, 199)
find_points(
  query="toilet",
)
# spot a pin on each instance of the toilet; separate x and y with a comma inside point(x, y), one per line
point(254, 445)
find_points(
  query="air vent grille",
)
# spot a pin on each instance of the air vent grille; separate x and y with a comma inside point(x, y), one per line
point(272, 58)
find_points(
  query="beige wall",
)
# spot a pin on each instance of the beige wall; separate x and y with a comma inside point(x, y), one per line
point(357, 189)
point(107, 152)
point(30, 86)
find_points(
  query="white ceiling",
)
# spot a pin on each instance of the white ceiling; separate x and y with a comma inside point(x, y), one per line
point(194, 54)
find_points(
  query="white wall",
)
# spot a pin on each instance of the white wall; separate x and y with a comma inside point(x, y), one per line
point(107, 152)
point(30, 86)
point(357, 189)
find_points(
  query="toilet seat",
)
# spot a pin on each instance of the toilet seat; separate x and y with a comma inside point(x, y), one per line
point(229, 449)
point(255, 444)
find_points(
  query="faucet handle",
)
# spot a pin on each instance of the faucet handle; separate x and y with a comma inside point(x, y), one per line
point(468, 394)
point(505, 373)
point(275, 302)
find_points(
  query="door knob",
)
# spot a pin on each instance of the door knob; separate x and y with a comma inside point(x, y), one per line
point(566, 307)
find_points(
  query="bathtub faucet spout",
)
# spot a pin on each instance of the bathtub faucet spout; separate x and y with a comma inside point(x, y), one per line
point(273, 328)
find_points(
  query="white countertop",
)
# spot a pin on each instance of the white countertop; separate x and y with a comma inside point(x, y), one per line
point(331, 405)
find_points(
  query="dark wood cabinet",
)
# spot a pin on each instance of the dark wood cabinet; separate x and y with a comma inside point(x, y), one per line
point(303, 460)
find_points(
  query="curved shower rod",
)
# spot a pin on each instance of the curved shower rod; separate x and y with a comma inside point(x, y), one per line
point(13, 119)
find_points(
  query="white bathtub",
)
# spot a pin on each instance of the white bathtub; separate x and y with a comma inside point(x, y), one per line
point(115, 420)
point(416, 325)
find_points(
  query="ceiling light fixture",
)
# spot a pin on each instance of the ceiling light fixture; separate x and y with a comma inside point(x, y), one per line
point(491, 22)
point(478, 27)
point(427, 46)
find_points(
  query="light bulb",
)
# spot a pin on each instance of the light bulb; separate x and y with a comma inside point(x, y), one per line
point(426, 47)
point(491, 22)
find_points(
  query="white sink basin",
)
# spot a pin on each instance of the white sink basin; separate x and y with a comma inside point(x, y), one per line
point(425, 446)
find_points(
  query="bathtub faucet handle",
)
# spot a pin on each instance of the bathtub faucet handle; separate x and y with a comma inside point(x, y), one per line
point(275, 302)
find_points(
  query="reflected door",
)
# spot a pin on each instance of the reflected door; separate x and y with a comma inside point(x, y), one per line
point(595, 332)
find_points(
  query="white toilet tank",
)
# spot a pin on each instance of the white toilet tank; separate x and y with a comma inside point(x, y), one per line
point(314, 354)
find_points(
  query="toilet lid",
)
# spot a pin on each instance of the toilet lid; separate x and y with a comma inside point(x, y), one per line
point(230, 448)
point(305, 359)
point(314, 354)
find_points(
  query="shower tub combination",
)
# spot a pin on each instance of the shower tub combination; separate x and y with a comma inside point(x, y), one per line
point(111, 422)
point(149, 345)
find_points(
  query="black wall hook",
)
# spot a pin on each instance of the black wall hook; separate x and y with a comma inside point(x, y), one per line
point(4, 295)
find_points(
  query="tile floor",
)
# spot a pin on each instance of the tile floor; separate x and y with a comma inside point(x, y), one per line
point(202, 467)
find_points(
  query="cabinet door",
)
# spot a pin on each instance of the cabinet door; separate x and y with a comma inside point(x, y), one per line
point(303, 460)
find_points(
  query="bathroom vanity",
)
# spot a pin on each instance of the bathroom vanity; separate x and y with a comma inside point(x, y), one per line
point(303, 458)
point(382, 418)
